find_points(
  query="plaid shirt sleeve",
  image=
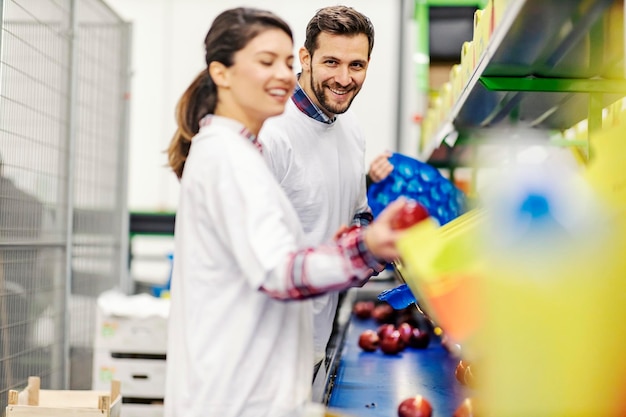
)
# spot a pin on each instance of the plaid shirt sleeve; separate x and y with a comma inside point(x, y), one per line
point(331, 267)
point(363, 219)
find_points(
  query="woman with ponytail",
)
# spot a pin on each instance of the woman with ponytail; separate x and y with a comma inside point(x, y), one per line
point(240, 336)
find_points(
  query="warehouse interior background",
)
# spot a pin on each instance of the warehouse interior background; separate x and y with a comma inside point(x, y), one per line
point(88, 90)
point(167, 52)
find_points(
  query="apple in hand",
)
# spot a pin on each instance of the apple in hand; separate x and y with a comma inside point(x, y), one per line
point(416, 406)
point(369, 340)
point(411, 213)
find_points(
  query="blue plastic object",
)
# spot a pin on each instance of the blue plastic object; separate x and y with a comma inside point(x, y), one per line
point(164, 290)
point(421, 182)
point(399, 297)
point(372, 384)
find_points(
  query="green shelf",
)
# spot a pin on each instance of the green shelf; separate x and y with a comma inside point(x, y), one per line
point(548, 65)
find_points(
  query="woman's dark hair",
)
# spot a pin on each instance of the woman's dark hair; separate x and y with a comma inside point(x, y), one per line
point(230, 32)
point(338, 20)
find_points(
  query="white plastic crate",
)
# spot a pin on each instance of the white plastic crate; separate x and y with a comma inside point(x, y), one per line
point(142, 410)
point(131, 324)
point(142, 378)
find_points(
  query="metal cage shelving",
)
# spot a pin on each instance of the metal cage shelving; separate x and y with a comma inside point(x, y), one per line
point(64, 83)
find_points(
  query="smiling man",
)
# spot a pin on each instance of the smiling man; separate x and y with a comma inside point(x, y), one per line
point(316, 149)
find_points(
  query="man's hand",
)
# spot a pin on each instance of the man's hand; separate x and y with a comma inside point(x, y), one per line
point(380, 167)
point(380, 237)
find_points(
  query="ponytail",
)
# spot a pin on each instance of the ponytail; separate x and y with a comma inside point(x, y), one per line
point(197, 101)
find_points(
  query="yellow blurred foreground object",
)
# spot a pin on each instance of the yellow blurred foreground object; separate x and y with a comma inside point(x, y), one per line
point(555, 298)
point(534, 287)
point(606, 173)
point(440, 267)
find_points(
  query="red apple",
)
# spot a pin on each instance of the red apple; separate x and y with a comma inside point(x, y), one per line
point(466, 409)
point(468, 377)
point(392, 344)
point(407, 316)
point(363, 309)
point(459, 372)
point(384, 330)
point(406, 331)
point(369, 341)
point(419, 339)
point(416, 406)
point(383, 313)
point(411, 213)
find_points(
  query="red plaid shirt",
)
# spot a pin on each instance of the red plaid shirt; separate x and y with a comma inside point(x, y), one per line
point(358, 263)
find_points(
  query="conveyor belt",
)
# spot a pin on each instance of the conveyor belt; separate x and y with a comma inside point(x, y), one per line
point(374, 384)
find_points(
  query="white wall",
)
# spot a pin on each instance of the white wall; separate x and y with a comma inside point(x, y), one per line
point(168, 52)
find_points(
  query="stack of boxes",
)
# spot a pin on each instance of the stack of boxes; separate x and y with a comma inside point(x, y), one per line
point(130, 346)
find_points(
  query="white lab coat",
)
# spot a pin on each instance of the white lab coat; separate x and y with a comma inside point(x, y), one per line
point(234, 351)
point(321, 167)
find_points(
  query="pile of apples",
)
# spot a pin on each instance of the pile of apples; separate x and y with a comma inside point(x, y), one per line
point(396, 330)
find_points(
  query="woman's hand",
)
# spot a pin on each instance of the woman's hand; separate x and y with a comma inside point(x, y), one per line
point(380, 237)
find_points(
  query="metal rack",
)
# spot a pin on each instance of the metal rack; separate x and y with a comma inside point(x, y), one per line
point(64, 82)
point(548, 65)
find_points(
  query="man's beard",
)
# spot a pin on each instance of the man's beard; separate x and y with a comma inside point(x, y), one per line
point(326, 104)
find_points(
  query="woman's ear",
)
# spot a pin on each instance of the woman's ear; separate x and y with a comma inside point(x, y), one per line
point(219, 74)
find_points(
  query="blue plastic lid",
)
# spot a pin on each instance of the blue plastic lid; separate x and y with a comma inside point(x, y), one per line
point(419, 181)
point(399, 297)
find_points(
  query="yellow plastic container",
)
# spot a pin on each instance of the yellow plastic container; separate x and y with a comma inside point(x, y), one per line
point(440, 266)
point(486, 26)
point(467, 60)
point(456, 82)
point(477, 36)
point(499, 9)
point(540, 317)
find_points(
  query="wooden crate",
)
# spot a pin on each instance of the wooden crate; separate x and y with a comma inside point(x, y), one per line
point(34, 402)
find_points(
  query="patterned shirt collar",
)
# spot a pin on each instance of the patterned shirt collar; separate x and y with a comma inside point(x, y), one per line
point(306, 106)
point(211, 119)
